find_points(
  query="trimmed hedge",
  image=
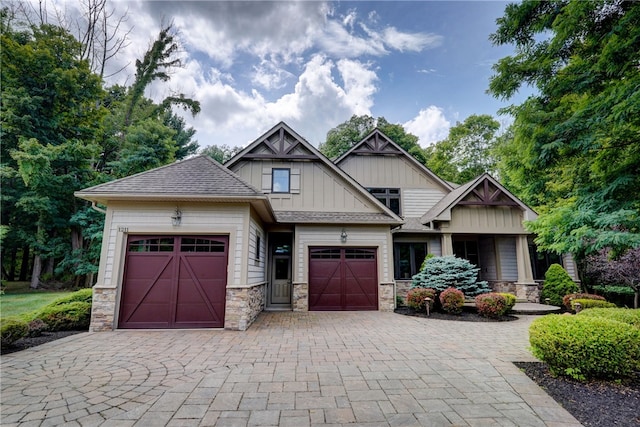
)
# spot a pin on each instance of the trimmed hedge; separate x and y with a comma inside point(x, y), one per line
point(625, 315)
point(585, 347)
point(591, 303)
point(11, 330)
point(566, 300)
point(83, 295)
point(492, 305)
point(416, 296)
point(66, 317)
point(557, 284)
point(452, 300)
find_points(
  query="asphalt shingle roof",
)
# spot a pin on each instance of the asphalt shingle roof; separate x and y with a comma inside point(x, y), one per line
point(334, 217)
point(197, 176)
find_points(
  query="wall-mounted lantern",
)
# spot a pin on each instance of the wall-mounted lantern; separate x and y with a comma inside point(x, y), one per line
point(176, 218)
point(343, 236)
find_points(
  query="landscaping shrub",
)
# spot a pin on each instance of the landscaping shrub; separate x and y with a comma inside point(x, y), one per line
point(557, 284)
point(566, 300)
point(399, 301)
point(83, 295)
point(492, 305)
point(11, 330)
point(416, 296)
point(66, 317)
point(624, 315)
point(592, 303)
point(37, 327)
point(510, 300)
point(452, 300)
point(445, 272)
point(585, 347)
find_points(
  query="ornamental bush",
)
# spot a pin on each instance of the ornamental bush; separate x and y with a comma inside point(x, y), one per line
point(11, 330)
point(445, 272)
point(624, 315)
point(83, 295)
point(585, 347)
point(510, 300)
point(566, 300)
point(492, 305)
point(66, 317)
point(452, 300)
point(557, 284)
point(416, 296)
point(591, 303)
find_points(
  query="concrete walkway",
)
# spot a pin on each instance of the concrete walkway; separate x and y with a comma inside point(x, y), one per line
point(288, 369)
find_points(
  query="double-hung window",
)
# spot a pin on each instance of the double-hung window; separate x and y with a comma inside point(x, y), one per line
point(390, 197)
point(281, 180)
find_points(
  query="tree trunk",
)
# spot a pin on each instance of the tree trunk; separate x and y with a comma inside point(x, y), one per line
point(24, 266)
point(35, 273)
point(12, 268)
point(636, 298)
point(50, 262)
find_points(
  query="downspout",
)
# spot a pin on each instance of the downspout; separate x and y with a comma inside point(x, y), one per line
point(95, 207)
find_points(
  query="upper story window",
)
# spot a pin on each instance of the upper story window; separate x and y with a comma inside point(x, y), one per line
point(390, 197)
point(281, 181)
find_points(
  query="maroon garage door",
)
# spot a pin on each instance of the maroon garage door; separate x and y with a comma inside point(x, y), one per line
point(174, 282)
point(343, 279)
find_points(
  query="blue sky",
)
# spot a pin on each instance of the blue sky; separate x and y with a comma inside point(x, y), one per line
point(422, 64)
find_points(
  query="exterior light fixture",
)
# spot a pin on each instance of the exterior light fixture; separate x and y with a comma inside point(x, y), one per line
point(343, 236)
point(176, 218)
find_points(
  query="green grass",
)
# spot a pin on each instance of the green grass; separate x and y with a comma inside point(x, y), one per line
point(18, 299)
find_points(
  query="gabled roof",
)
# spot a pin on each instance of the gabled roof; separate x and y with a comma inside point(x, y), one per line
point(377, 143)
point(283, 143)
point(195, 179)
point(482, 191)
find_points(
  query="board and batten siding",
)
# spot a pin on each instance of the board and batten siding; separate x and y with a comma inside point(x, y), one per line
point(320, 188)
point(507, 256)
point(417, 201)
point(256, 259)
point(329, 236)
point(487, 220)
point(151, 218)
point(388, 172)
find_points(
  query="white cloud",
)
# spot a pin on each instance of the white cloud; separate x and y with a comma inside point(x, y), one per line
point(414, 42)
point(430, 125)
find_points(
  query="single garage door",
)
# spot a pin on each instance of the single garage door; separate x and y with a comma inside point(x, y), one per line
point(343, 279)
point(174, 282)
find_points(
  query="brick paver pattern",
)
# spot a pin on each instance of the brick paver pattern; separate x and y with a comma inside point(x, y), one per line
point(288, 369)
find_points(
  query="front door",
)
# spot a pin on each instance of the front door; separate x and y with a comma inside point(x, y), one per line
point(280, 283)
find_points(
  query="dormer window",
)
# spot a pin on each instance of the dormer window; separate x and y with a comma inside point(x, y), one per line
point(281, 181)
point(390, 197)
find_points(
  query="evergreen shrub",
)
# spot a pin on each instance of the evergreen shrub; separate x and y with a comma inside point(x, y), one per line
point(452, 300)
point(624, 315)
point(37, 327)
point(492, 305)
point(66, 317)
point(566, 300)
point(11, 330)
point(557, 284)
point(445, 272)
point(585, 347)
point(83, 295)
point(416, 296)
point(591, 303)
point(510, 300)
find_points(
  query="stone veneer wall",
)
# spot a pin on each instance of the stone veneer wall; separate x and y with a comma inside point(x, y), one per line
point(243, 306)
point(386, 297)
point(103, 309)
point(300, 297)
point(402, 288)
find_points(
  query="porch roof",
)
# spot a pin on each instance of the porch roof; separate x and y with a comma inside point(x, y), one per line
point(313, 217)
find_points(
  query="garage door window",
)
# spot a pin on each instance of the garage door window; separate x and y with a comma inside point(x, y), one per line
point(359, 254)
point(325, 254)
point(201, 245)
point(164, 244)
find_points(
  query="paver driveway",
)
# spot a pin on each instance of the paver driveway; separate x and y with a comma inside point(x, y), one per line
point(288, 369)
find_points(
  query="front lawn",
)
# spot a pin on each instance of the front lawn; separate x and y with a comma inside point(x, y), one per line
point(18, 299)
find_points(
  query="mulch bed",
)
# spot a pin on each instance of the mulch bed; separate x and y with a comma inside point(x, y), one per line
point(594, 403)
point(27, 342)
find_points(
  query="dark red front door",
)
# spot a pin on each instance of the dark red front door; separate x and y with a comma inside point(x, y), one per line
point(343, 279)
point(174, 282)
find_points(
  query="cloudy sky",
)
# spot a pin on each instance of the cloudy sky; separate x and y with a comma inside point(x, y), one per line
point(422, 64)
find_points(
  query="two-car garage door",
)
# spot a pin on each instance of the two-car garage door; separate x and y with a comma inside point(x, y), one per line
point(343, 279)
point(174, 282)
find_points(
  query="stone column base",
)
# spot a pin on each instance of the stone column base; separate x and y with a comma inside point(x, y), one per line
point(243, 306)
point(527, 292)
point(300, 297)
point(386, 297)
point(103, 309)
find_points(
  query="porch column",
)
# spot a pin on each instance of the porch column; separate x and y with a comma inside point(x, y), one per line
point(447, 245)
point(525, 274)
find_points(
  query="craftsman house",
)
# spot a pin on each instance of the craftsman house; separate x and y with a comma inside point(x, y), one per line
point(195, 244)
